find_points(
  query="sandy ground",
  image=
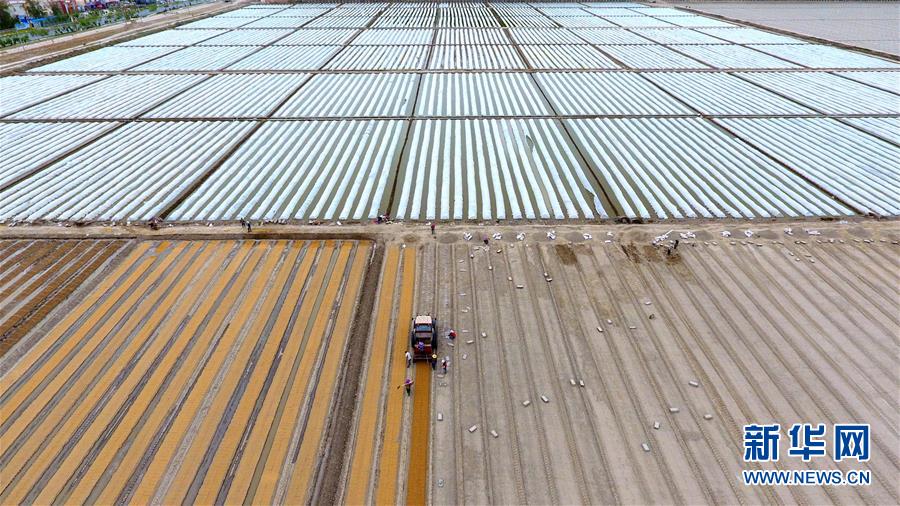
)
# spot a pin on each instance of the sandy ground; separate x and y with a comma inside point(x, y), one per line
point(869, 25)
point(195, 370)
point(21, 57)
point(771, 328)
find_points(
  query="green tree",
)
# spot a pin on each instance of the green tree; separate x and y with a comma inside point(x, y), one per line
point(34, 9)
point(7, 20)
point(57, 11)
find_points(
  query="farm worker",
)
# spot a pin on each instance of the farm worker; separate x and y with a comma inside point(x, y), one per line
point(408, 359)
point(485, 240)
point(433, 361)
point(451, 334)
point(672, 248)
point(408, 384)
point(432, 228)
point(444, 365)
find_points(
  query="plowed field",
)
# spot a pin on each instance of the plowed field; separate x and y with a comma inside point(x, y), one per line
point(197, 371)
point(36, 275)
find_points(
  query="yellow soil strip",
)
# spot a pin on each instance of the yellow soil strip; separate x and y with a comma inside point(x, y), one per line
point(158, 413)
point(297, 393)
point(42, 345)
point(210, 262)
point(364, 447)
point(148, 301)
point(417, 469)
point(390, 449)
point(84, 332)
point(256, 444)
point(257, 440)
point(192, 461)
point(161, 463)
point(309, 446)
point(217, 471)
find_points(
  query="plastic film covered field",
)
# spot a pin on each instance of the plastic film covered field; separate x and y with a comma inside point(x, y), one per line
point(607, 110)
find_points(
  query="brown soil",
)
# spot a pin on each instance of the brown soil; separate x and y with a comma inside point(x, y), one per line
point(30, 255)
point(565, 254)
point(49, 286)
point(328, 481)
point(38, 275)
point(631, 252)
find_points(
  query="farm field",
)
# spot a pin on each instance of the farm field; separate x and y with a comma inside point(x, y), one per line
point(372, 472)
point(774, 327)
point(38, 275)
point(193, 371)
point(870, 25)
point(343, 112)
point(225, 363)
point(649, 228)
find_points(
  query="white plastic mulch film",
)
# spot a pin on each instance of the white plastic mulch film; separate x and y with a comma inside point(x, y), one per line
point(291, 170)
point(452, 111)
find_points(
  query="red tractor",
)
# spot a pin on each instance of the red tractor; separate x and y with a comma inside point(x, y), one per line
point(423, 337)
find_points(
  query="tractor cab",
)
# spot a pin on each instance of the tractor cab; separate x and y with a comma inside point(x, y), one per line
point(423, 337)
